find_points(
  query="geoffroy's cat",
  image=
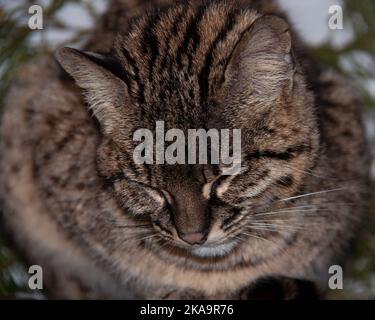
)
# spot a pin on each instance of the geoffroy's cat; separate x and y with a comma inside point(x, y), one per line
point(104, 226)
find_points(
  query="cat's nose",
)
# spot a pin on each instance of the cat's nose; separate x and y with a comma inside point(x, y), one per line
point(194, 237)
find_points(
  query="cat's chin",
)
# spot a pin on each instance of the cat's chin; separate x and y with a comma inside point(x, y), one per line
point(213, 250)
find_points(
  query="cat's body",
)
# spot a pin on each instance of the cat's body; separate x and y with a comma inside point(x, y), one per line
point(67, 187)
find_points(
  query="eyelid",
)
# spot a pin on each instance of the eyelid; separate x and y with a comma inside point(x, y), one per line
point(167, 196)
point(214, 185)
point(220, 181)
point(209, 189)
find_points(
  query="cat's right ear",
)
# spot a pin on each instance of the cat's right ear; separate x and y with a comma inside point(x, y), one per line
point(262, 64)
point(105, 92)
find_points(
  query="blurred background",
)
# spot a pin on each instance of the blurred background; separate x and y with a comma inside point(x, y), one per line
point(350, 50)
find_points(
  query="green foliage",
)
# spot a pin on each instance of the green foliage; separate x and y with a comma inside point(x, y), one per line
point(9, 267)
point(360, 17)
point(15, 45)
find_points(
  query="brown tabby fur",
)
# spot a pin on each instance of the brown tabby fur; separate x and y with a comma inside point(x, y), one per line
point(102, 226)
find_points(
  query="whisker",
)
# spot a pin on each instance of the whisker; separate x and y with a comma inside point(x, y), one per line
point(163, 244)
point(358, 203)
point(310, 173)
point(308, 208)
point(136, 236)
point(148, 237)
point(311, 194)
point(280, 226)
point(260, 238)
point(304, 223)
point(283, 211)
point(268, 229)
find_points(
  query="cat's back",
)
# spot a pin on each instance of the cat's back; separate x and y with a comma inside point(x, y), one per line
point(41, 108)
point(45, 128)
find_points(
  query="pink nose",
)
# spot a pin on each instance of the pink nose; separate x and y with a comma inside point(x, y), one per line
point(194, 238)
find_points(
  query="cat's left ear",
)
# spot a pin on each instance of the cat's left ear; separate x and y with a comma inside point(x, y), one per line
point(262, 64)
point(106, 93)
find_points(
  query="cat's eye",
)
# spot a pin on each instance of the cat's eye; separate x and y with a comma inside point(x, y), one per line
point(168, 197)
point(214, 186)
point(209, 189)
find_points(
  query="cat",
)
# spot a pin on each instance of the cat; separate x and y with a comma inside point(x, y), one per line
point(75, 202)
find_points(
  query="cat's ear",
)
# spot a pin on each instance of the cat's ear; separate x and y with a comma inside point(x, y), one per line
point(105, 92)
point(262, 63)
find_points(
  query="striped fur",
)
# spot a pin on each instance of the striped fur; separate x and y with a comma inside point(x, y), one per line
point(104, 226)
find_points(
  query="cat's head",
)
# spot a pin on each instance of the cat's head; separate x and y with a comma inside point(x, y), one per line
point(201, 68)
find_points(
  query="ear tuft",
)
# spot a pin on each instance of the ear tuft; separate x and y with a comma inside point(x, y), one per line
point(278, 29)
point(66, 58)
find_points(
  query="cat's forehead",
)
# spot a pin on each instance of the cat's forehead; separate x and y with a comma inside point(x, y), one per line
point(174, 59)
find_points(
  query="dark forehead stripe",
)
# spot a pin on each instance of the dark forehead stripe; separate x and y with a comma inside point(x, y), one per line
point(191, 33)
point(151, 42)
point(134, 70)
point(178, 19)
point(204, 74)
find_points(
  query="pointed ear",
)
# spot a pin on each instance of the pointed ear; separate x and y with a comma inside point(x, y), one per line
point(262, 63)
point(106, 93)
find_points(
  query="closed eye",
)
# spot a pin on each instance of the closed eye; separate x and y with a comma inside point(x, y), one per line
point(286, 155)
point(210, 189)
point(168, 197)
point(162, 197)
